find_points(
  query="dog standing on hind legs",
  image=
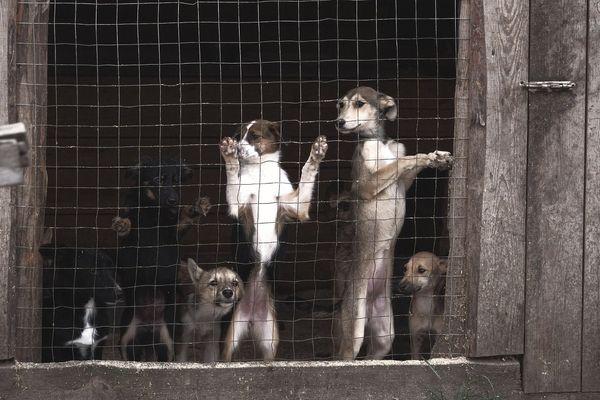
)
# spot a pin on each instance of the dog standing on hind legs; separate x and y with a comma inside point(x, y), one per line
point(381, 174)
point(262, 198)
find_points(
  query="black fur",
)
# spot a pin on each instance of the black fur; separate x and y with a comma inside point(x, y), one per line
point(71, 277)
point(148, 257)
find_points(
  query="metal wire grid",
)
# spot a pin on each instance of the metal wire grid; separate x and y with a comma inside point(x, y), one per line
point(169, 79)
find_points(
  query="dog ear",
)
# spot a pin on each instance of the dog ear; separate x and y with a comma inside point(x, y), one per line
point(194, 270)
point(273, 128)
point(186, 173)
point(387, 107)
point(442, 267)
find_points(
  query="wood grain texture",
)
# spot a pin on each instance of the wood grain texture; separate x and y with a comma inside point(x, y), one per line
point(248, 381)
point(497, 177)
point(591, 284)
point(562, 396)
point(7, 248)
point(31, 96)
point(453, 341)
point(555, 199)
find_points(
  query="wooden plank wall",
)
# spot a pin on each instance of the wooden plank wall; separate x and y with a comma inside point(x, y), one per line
point(591, 284)
point(7, 253)
point(497, 177)
point(555, 199)
point(31, 100)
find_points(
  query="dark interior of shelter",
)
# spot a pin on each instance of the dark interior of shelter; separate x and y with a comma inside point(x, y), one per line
point(131, 79)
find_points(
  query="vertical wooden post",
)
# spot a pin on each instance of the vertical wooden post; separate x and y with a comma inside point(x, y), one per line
point(555, 199)
point(453, 342)
point(591, 273)
point(7, 244)
point(497, 177)
point(31, 100)
point(491, 151)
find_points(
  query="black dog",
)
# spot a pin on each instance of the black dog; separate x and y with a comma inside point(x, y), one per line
point(148, 256)
point(79, 298)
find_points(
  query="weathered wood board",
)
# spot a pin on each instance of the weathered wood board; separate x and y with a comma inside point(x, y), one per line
point(31, 99)
point(591, 284)
point(555, 199)
point(7, 253)
point(454, 339)
point(244, 381)
point(497, 177)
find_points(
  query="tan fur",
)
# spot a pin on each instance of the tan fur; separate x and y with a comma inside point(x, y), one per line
point(424, 278)
point(381, 176)
point(246, 220)
point(206, 306)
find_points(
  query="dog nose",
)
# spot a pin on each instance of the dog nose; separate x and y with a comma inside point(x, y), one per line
point(340, 123)
point(171, 201)
point(227, 293)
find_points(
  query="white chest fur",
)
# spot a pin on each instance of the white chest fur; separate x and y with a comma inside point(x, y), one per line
point(378, 154)
point(264, 181)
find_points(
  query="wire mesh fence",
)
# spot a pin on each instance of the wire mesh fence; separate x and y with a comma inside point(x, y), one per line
point(140, 96)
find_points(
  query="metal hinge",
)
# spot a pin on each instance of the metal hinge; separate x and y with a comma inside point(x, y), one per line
point(547, 86)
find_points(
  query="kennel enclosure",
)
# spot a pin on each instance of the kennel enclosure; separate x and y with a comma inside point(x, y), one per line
point(522, 244)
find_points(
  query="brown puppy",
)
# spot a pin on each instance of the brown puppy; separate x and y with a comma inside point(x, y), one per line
point(215, 293)
point(381, 173)
point(425, 280)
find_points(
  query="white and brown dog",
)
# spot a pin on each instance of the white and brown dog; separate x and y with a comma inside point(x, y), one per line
point(424, 279)
point(261, 197)
point(381, 174)
point(215, 293)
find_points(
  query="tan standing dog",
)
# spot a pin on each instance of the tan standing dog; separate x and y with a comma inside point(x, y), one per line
point(424, 279)
point(381, 174)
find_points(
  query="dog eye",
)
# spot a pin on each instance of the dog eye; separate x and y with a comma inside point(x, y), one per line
point(421, 270)
point(212, 283)
point(340, 104)
point(359, 103)
point(234, 283)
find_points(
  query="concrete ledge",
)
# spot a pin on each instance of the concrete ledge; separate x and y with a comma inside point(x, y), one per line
point(277, 380)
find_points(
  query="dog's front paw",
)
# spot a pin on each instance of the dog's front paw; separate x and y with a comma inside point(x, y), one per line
point(319, 148)
point(121, 225)
point(229, 148)
point(440, 159)
point(202, 207)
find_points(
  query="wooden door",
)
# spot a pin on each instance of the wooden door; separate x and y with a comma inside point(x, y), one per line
point(562, 322)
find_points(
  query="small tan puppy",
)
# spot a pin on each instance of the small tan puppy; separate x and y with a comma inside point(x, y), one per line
point(425, 280)
point(215, 293)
